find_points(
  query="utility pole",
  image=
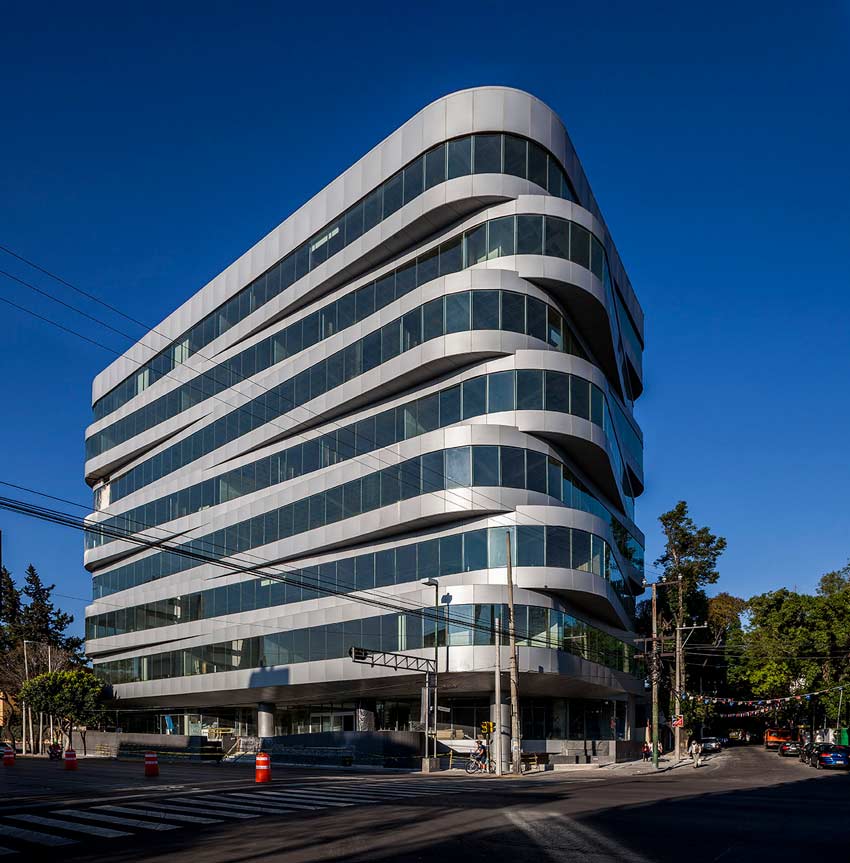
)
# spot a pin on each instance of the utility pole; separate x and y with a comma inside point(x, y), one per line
point(656, 661)
point(516, 752)
point(677, 731)
point(499, 697)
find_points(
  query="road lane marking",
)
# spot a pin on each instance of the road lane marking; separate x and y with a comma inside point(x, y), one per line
point(34, 836)
point(115, 819)
point(90, 829)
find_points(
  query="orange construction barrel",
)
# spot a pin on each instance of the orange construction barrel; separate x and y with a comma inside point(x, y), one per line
point(151, 764)
point(70, 759)
point(8, 757)
point(263, 772)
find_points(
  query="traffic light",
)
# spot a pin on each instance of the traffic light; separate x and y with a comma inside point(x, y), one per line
point(488, 727)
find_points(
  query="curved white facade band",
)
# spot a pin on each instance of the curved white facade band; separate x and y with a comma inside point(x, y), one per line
point(440, 349)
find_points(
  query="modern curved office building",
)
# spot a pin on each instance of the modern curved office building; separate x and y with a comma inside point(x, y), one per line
point(438, 350)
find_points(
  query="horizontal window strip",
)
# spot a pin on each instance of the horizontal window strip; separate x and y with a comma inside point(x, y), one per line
point(531, 545)
point(531, 389)
point(508, 235)
point(453, 313)
point(458, 467)
point(459, 626)
point(478, 154)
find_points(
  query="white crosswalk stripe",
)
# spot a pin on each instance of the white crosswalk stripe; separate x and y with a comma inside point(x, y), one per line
point(114, 819)
point(158, 813)
point(35, 836)
point(305, 796)
point(224, 812)
point(266, 808)
point(90, 829)
point(206, 807)
point(291, 804)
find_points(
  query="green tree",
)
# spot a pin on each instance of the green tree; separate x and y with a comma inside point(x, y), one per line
point(75, 697)
point(40, 620)
point(10, 611)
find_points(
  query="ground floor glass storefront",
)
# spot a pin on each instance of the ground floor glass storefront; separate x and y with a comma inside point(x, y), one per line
point(541, 718)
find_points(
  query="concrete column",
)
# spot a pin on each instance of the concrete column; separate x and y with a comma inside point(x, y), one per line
point(265, 720)
point(506, 730)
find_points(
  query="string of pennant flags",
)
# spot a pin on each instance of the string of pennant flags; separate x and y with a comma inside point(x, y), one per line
point(763, 704)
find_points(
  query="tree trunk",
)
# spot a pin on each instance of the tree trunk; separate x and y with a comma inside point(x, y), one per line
point(83, 738)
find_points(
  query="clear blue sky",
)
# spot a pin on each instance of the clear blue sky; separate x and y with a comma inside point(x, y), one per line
point(143, 150)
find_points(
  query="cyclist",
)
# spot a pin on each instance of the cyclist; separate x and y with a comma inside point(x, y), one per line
point(480, 753)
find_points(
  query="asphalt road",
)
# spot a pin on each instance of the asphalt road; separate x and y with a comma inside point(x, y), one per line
point(743, 805)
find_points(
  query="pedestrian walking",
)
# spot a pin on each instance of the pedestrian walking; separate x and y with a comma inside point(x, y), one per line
point(695, 751)
point(646, 751)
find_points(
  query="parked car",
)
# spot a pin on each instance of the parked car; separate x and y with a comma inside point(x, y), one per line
point(832, 755)
point(789, 748)
point(711, 744)
point(814, 752)
point(806, 751)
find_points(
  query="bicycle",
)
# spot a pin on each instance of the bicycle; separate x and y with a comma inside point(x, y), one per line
point(474, 766)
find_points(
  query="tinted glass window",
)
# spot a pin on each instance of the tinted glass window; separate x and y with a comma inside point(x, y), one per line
point(515, 156)
point(485, 465)
point(457, 313)
point(536, 320)
point(405, 279)
point(432, 319)
point(579, 397)
point(475, 242)
point(501, 239)
point(513, 467)
point(364, 301)
point(513, 312)
point(413, 179)
point(529, 235)
point(580, 245)
point(537, 168)
point(393, 194)
point(435, 166)
point(488, 154)
point(558, 547)
point(390, 341)
point(485, 310)
point(557, 392)
point(475, 550)
point(450, 406)
point(529, 390)
point(427, 267)
point(451, 256)
point(459, 158)
point(500, 392)
point(558, 238)
point(457, 467)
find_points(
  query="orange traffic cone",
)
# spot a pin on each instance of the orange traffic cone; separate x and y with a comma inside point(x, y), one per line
point(263, 773)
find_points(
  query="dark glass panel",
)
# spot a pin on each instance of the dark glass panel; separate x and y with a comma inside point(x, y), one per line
point(513, 312)
point(529, 389)
point(485, 310)
point(557, 237)
point(515, 156)
point(500, 395)
point(579, 245)
point(487, 154)
point(538, 170)
point(459, 157)
point(457, 312)
point(485, 465)
point(529, 235)
point(435, 166)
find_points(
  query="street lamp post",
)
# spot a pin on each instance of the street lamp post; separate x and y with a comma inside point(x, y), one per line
point(432, 582)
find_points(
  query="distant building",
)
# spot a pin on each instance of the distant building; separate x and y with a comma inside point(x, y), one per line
point(440, 347)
